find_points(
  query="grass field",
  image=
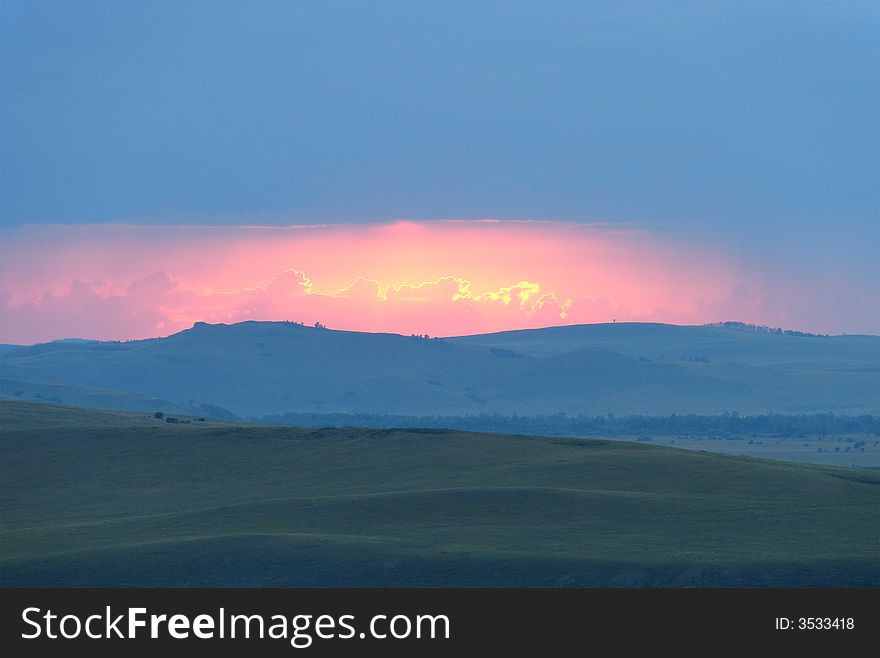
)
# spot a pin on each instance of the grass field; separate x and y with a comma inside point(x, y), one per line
point(93, 498)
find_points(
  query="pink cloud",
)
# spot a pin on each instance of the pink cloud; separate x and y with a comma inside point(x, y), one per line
point(440, 278)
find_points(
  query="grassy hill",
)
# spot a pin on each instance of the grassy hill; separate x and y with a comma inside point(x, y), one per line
point(749, 371)
point(254, 369)
point(94, 498)
point(95, 398)
point(658, 341)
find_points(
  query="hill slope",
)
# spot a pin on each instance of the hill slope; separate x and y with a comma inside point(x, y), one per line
point(110, 499)
point(258, 368)
point(655, 341)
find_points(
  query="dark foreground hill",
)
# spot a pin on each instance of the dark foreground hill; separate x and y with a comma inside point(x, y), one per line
point(256, 369)
point(112, 499)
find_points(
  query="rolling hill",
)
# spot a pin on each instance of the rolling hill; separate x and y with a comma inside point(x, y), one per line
point(95, 498)
point(254, 369)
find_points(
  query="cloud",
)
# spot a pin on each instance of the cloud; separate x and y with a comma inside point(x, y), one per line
point(291, 283)
point(156, 305)
point(441, 278)
point(446, 288)
point(362, 288)
point(87, 309)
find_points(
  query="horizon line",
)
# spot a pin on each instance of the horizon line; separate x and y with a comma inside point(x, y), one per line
point(733, 325)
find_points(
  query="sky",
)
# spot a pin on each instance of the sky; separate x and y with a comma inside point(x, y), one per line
point(441, 168)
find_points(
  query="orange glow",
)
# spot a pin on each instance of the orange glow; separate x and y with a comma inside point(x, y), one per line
point(440, 278)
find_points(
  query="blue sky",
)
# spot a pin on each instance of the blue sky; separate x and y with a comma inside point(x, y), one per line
point(752, 124)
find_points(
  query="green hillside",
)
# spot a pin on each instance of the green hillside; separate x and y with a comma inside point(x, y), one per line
point(93, 498)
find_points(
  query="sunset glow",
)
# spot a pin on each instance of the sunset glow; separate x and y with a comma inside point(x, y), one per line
point(440, 278)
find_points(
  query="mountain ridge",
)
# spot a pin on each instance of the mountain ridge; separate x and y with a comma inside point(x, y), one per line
point(256, 368)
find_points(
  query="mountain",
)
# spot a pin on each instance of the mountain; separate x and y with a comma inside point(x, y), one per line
point(253, 369)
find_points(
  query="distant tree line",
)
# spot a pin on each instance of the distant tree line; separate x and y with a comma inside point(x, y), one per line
point(761, 329)
point(725, 425)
